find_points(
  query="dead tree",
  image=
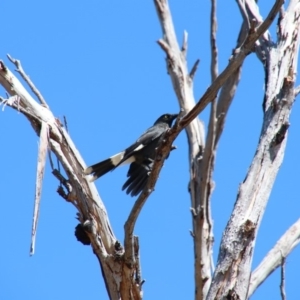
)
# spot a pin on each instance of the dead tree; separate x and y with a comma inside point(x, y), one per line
point(232, 277)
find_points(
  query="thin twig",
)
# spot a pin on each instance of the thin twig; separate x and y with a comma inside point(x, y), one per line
point(282, 281)
point(26, 78)
point(207, 163)
point(235, 62)
point(62, 180)
point(250, 13)
point(163, 44)
point(297, 90)
point(194, 69)
point(244, 13)
point(51, 160)
point(279, 23)
point(50, 156)
point(10, 101)
point(66, 123)
point(184, 43)
point(284, 246)
point(228, 90)
point(14, 102)
point(213, 41)
point(138, 272)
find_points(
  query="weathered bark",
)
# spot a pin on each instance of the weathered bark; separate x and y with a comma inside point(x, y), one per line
point(232, 275)
point(274, 258)
point(120, 267)
point(82, 194)
point(202, 158)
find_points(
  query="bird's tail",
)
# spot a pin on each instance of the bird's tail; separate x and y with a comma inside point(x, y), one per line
point(103, 167)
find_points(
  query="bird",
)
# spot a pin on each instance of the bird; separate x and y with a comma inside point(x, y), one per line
point(140, 155)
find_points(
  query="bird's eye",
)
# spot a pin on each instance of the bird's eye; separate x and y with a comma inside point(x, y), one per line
point(166, 117)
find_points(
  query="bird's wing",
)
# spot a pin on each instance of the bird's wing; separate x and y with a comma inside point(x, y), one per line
point(138, 177)
point(145, 139)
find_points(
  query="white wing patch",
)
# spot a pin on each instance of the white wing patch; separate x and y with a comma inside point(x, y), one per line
point(139, 147)
point(117, 158)
point(128, 160)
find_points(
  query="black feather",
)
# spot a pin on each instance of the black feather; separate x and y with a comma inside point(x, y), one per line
point(100, 168)
point(140, 154)
point(138, 175)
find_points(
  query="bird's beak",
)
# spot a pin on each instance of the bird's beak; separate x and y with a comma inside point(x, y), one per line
point(173, 117)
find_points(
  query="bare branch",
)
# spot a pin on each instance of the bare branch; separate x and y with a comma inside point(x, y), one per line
point(235, 258)
point(194, 69)
point(224, 101)
point(138, 275)
point(204, 230)
point(12, 101)
point(178, 71)
point(51, 160)
point(66, 123)
point(84, 195)
point(244, 13)
point(20, 70)
point(297, 90)
point(228, 90)
point(250, 13)
point(170, 136)
point(163, 151)
point(284, 246)
point(262, 30)
point(279, 23)
point(236, 61)
point(282, 281)
point(176, 65)
point(184, 43)
point(164, 46)
point(62, 180)
point(43, 148)
point(131, 265)
point(213, 41)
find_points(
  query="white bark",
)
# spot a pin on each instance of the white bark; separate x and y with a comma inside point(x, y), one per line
point(273, 259)
point(120, 268)
point(83, 194)
point(232, 275)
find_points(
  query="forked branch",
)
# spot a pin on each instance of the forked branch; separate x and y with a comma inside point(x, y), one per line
point(237, 245)
point(82, 194)
point(165, 146)
point(283, 247)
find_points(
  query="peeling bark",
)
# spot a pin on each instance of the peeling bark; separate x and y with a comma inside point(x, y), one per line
point(120, 266)
point(232, 275)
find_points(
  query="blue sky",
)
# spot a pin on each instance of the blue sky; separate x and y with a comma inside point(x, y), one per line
point(99, 65)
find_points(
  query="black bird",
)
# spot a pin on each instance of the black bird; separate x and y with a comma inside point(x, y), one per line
point(140, 155)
